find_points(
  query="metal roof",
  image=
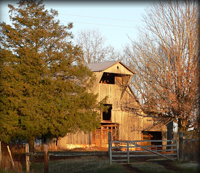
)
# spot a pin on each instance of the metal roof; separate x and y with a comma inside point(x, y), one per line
point(101, 66)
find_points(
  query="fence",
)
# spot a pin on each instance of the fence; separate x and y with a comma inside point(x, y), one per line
point(119, 151)
point(191, 149)
point(123, 151)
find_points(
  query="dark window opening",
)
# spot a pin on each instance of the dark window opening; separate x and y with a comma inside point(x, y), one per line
point(114, 78)
point(108, 78)
point(107, 113)
point(152, 135)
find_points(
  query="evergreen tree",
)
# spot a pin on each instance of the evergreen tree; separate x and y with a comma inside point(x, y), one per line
point(44, 84)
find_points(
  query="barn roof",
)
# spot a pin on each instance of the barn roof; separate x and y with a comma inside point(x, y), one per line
point(101, 66)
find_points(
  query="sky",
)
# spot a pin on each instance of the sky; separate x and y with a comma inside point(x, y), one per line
point(116, 21)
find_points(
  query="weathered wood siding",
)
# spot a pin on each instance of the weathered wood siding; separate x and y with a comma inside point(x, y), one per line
point(118, 68)
point(125, 109)
point(76, 140)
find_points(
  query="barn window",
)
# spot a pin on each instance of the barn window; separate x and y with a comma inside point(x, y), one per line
point(106, 115)
point(108, 78)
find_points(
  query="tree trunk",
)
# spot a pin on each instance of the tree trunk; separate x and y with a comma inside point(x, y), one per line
point(31, 148)
point(31, 144)
point(169, 133)
point(180, 134)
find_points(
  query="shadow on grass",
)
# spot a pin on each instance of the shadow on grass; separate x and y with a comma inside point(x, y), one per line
point(79, 165)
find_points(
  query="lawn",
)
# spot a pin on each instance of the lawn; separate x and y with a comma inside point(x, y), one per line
point(94, 164)
point(80, 165)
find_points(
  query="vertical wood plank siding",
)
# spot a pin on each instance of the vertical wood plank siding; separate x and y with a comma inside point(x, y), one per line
point(122, 98)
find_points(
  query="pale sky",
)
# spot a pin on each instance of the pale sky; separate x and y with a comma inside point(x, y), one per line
point(115, 20)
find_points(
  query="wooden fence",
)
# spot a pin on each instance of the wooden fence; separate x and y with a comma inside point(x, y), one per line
point(191, 150)
point(123, 151)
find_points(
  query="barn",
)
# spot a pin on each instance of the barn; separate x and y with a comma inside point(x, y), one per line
point(123, 118)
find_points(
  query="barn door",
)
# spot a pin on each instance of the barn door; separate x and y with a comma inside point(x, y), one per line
point(96, 137)
point(100, 136)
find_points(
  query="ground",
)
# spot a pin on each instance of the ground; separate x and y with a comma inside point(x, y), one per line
point(100, 164)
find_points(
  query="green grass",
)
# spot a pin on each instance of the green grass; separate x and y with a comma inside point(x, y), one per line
point(187, 167)
point(94, 164)
point(98, 165)
point(79, 165)
point(174, 167)
point(150, 167)
point(90, 166)
point(4, 171)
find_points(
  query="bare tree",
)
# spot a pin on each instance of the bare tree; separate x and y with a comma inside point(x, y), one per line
point(94, 46)
point(165, 61)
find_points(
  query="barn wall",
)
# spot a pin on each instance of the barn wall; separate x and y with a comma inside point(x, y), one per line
point(76, 140)
point(124, 110)
point(118, 68)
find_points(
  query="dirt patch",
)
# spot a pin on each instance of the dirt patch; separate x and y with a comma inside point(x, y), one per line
point(168, 165)
point(132, 169)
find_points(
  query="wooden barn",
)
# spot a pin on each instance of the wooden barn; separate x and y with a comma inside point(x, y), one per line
point(124, 118)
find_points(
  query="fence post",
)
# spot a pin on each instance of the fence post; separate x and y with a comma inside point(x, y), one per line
point(46, 159)
point(110, 147)
point(90, 140)
point(27, 157)
point(127, 152)
point(0, 154)
point(180, 145)
point(177, 152)
point(10, 156)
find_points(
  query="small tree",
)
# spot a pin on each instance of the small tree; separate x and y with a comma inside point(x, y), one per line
point(44, 88)
point(165, 62)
